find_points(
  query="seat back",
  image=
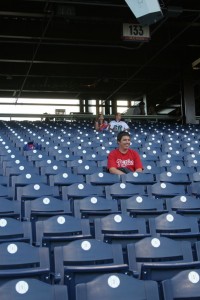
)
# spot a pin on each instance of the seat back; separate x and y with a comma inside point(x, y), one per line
point(160, 258)
point(20, 259)
point(82, 260)
point(117, 286)
point(185, 286)
point(32, 289)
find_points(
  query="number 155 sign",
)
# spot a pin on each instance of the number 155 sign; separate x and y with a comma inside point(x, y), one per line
point(135, 32)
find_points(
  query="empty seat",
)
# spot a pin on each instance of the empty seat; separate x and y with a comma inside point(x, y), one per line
point(152, 168)
point(185, 205)
point(60, 230)
point(181, 169)
point(175, 226)
point(169, 162)
point(26, 179)
point(166, 189)
point(103, 178)
point(193, 162)
point(94, 206)
point(65, 157)
point(195, 177)
point(139, 178)
point(124, 190)
point(6, 192)
point(33, 191)
point(194, 188)
point(86, 169)
point(117, 286)
point(19, 169)
point(95, 156)
point(65, 178)
point(183, 286)
point(160, 258)
point(174, 177)
point(32, 289)
point(15, 230)
point(9, 208)
point(44, 207)
point(82, 260)
point(19, 259)
point(81, 162)
point(81, 190)
point(4, 181)
point(54, 169)
point(143, 206)
point(120, 228)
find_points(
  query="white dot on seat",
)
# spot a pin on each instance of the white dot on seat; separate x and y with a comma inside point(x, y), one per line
point(113, 281)
point(85, 245)
point(193, 277)
point(22, 287)
point(155, 242)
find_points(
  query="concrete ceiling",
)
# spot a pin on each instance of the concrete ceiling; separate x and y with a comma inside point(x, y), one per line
point(75, 49)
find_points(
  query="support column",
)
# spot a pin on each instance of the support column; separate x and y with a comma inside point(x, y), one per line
point(189, 102)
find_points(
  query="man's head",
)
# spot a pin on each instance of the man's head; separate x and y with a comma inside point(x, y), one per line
point(123, 140)
point(31, 145)
point(118, 117)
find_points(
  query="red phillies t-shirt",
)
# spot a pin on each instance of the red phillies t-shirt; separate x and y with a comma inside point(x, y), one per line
point(130, 160)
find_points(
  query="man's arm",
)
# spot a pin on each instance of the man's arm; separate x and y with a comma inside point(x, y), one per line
point(138, 170)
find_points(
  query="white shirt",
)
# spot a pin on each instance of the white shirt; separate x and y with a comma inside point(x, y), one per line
point(118, 125)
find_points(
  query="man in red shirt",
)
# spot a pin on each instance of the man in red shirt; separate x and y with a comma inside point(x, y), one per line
point(124, 160)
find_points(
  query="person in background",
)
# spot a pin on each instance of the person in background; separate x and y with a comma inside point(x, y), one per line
point(32, 146)
point(140, 109)
point(100, 123)
point(118, 125)
point(123, 159)
point(152, 111)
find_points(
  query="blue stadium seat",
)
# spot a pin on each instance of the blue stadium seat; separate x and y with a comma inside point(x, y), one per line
point(82, 260)
point(81, 162)
point(33, 191)
point(166, 189)
point(143, 206)
point(60, 230)
point(160, 258)
point(14, 230)
point(26, 179)
point(195, 188)
point(81, 190)
point(103, 178)
point(94, 207)
point(32, 289)
point(184, 286)
point(124, 190)
point(64, 179)
point(185, 205)
point(120, 228)
point(20, 259)
point(6, 192)
point(10, 209)
point(4, 180)
point(181, 169)
point(65, 157)
point(139, 178)
point(195, 177)
point(44, 207)
point(173, 177)
point(169, 163)
point(86, 169)
point(175, 226)
point(117, 286)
